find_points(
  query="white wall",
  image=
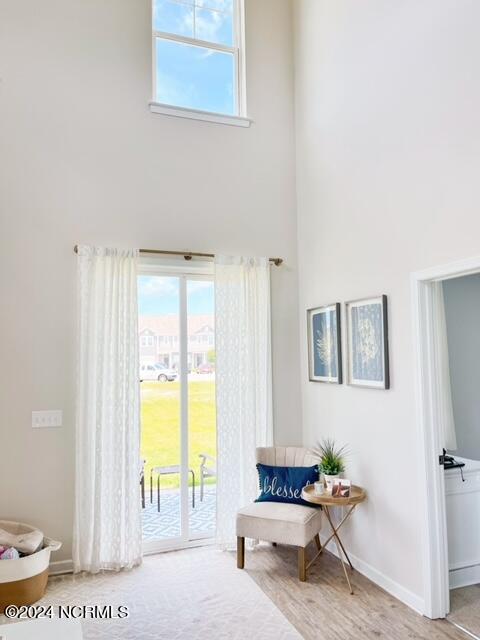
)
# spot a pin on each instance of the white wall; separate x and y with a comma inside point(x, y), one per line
point(462, 312)
point(388, 150)
point(82, 160)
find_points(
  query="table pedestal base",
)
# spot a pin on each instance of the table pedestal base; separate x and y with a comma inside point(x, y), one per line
point(340, 548)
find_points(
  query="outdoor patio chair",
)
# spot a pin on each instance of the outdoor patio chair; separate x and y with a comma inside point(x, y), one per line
point(166, 471)
point(206, 471)
point(142, 481)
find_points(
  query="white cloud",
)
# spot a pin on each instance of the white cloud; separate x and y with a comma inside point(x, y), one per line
point(153, 286)
point(221, 5)
point(194, 286)
point(208, 24)
point(157, 286)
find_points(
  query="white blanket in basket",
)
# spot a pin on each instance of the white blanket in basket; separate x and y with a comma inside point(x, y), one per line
point(23, 542)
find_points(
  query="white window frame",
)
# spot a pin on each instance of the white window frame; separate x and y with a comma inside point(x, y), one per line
point(240, 119)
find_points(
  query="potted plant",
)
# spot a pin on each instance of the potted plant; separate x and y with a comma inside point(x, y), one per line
point(332, 461)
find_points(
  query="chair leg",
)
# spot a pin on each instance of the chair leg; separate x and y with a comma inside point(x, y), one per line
point(193, 488)
point(240, 552)
point(302, 564)
point(201, 487)
point(317, 542)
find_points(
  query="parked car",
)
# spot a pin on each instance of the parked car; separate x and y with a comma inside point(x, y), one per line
point(158, 372)
point(206, 367)
point(164, 373)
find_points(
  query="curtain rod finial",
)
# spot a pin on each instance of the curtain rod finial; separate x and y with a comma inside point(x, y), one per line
point(278, 262)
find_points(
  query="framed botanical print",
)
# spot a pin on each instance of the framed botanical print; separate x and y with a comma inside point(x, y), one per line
point(367, 338)
point(324, 344)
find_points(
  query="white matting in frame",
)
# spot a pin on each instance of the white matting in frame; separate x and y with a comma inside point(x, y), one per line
point(324, 344)
point(367, 338)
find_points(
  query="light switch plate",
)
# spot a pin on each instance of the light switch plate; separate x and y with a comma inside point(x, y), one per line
point(43, 419)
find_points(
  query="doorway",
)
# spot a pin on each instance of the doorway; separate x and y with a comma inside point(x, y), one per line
point(178, 430)
point(430, 417)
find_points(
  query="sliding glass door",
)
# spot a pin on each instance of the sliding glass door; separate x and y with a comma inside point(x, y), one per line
point(201, 417)
point(177, 381)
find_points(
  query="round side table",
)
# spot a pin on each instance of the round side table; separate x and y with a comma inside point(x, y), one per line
point(357, 495)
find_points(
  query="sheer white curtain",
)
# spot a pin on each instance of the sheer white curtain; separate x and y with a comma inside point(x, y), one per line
point(107, 530)
point(442, 369)
point(243, 381)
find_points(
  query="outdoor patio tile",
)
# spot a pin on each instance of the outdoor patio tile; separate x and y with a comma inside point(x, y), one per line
point(166, 524)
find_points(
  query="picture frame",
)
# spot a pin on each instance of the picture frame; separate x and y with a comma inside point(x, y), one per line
point(367, 343)
point(341, 488)
point(325, 344)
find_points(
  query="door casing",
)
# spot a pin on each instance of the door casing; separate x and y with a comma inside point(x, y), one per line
point(434, 524)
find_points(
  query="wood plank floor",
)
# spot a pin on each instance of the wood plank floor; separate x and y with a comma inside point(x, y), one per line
point(465, 608)
point(322, 608)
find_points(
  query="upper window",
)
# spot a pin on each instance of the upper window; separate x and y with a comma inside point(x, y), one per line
point(197, 55)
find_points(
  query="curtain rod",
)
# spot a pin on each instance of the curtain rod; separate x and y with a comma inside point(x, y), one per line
point(188, 255)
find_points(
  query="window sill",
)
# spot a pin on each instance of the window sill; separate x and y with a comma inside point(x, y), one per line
point(195, 114)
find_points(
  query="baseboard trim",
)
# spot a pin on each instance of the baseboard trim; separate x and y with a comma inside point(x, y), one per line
point(396, 590)
point(59, 567)
point(464, 576)
point(66, 566)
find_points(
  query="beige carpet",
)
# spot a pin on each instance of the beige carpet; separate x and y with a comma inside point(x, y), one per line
point(192, 594)
point(465, 608)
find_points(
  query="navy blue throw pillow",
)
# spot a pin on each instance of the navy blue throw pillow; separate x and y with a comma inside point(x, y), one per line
point(284, 484)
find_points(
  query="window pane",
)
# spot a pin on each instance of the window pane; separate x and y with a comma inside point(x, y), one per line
point(202, 440)
point(158, 309)
point(173, 17)
point(214, 26)
point(195, 77)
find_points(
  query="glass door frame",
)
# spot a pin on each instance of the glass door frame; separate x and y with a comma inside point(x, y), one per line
point(194, 270)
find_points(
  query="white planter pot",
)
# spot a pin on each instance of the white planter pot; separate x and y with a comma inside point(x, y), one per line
point(329, 480)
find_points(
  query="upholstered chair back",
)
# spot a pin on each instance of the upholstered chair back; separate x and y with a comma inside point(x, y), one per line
point(277, 522)
point(286, 456)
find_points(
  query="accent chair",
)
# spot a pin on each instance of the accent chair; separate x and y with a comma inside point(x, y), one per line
point(279, 522)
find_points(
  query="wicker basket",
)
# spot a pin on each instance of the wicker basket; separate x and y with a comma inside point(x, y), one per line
point(23, 581)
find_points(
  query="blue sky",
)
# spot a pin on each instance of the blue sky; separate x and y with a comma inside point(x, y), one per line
point(189, 76)
point(158, 295)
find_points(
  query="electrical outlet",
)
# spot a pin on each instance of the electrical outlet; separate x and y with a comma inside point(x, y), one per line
point(43, 419)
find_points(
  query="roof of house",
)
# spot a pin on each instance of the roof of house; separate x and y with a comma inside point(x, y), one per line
point(168, 325)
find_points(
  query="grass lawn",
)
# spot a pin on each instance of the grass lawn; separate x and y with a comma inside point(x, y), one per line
point(161, 426)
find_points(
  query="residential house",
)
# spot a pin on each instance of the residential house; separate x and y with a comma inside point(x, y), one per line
point(159, 339)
